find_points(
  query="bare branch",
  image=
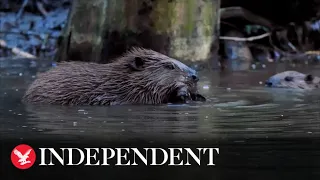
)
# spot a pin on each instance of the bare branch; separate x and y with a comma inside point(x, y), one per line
point(253, 38)
point(16, 50)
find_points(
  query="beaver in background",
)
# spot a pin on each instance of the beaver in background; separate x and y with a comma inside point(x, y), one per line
point(293, 80)
point(140, 76)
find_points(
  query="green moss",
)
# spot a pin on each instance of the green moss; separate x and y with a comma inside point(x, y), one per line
point(172, 16)
point(190, 20)
point(162, 14)
point(208, 19)
point(188, 25)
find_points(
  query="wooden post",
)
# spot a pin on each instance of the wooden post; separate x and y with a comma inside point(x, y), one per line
point(82, 36)
point(184, 29)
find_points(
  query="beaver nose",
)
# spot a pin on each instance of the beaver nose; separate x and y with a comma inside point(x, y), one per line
point(268, 83)
point(195, 78)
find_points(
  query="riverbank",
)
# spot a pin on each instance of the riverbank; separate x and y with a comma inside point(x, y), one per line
point(32, 31)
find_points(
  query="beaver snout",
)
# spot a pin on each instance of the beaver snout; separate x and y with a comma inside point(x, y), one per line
point(195, 78)
point(272, 82)
point(183, 94)
point(268, 83)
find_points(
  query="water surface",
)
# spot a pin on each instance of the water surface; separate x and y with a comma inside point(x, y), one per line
point(239, 111)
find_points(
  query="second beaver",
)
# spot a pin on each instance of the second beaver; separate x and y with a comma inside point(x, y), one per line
point(140, 76)
point(293, 80)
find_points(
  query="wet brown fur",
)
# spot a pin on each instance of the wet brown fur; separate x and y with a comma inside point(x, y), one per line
point(294, 80)
point(140, 76)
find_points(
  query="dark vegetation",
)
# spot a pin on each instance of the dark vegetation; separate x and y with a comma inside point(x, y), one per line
point(273, 30)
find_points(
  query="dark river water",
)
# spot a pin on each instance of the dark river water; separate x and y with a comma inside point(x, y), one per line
point(263, 133)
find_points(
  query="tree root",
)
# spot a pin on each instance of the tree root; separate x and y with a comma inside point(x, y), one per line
point(276, 32)
point(230, 12)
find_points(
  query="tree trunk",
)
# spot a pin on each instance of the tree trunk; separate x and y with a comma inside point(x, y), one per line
point(102, 29)
point(82, 36)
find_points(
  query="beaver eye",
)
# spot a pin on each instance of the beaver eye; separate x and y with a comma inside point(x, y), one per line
point(309, 77)
point(288, 78)
point(170, 66)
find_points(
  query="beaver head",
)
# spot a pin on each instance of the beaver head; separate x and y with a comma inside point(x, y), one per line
point(294, 80)
point(140, 76)
point(151, 77)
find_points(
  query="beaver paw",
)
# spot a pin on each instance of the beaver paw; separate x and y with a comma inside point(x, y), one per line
point(183, 95)
point(198, 97)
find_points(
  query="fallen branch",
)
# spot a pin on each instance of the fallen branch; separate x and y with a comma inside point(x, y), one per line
point(16, 50)
point(41, 9)
point(290, 56)
point(231, 12)
point(253, 38)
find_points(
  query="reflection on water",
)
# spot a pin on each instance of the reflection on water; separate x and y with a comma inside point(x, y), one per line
point(241, 114)
point(238, 106)
point(238, 109)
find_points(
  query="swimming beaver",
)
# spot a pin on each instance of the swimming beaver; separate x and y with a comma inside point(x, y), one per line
point(294, 80)
point(140, 76)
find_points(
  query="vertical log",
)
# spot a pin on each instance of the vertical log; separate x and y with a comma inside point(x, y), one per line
point(82, 36)
point(184, 29)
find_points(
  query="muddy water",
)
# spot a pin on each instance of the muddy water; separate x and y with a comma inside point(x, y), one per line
point(279, 128)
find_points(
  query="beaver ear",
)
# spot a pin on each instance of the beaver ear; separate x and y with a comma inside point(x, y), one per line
point(137, 63)
point(288, 78)
point(309, 78)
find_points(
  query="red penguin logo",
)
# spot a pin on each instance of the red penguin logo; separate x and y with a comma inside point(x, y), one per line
point(23, 156)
